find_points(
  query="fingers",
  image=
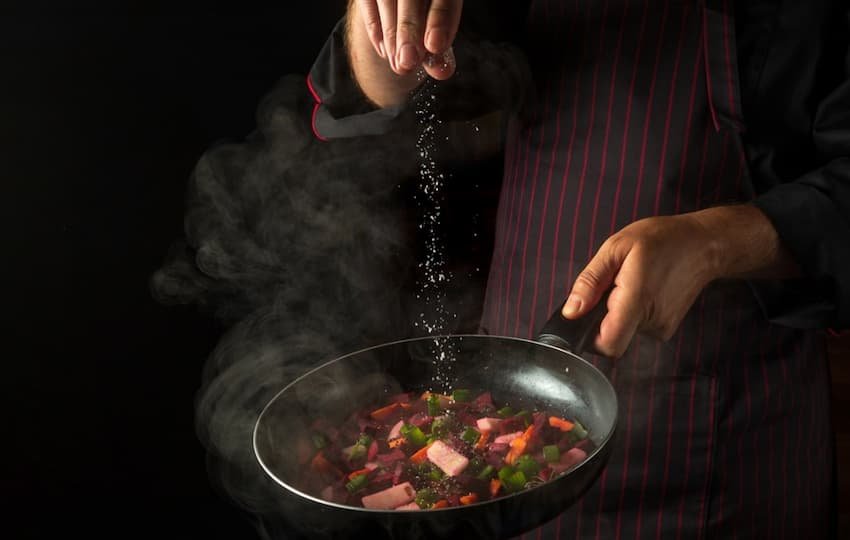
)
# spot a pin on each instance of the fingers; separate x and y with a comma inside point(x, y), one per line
point(388, 12)
point(618, 327)
point(372, 19)
point(442, 24)
point(409, 35)
point(592, 282)
point(440, 66)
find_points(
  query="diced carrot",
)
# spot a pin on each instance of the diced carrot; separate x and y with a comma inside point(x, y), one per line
point(495, 484)
point(421, 455)
point(384, 412)
point(395, 443)
point(469, 499)
point(560, 423)
point(358, 473)
point(321, 463)
point(442, 503)
point(519, 445)
point(482, 440)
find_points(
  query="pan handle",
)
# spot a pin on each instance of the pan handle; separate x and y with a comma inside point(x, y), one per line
point(572, 334)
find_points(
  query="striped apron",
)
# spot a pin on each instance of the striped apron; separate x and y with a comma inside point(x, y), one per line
point(724, 430)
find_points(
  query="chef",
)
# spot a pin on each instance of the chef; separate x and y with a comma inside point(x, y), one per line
point(694, 158)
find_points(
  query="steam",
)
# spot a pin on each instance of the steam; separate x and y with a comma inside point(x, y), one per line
point(305, 251)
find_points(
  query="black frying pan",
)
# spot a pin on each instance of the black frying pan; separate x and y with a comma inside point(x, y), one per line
point(548, 372)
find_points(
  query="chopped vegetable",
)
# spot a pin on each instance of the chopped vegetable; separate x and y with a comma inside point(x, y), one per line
point(528, 465)
point(357, 483)
point(560, 423)
point(414, 435)
point(515, 482)
point(439, 451)
point(551, 453)
point(505, 412)
point(426, 497)
point(470, 435)
point(495, 484)
point(486, 472)
point(319, 441)
point(384, 412)
point(421, 455)
point(433, 405)
point(461, 395)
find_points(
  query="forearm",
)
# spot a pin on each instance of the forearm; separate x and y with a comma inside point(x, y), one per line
point(372, 73)
point(743, 244)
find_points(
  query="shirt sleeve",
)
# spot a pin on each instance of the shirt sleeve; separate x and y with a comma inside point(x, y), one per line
point(799, 149)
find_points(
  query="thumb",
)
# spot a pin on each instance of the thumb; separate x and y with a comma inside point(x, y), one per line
point(592, 282)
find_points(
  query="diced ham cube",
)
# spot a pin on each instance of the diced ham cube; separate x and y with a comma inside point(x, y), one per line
point(409, 506)
point(488, 424)
point(507, 438)
point(569, 459)
point(371, 465)
point(395, 432)
point(573, 456)
point(449, 461)
point(390, 498)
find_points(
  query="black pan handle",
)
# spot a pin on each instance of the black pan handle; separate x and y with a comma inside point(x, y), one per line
point(572, 334)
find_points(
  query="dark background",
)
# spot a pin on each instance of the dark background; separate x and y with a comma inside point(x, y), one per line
point(104, 110)
point(105, 107)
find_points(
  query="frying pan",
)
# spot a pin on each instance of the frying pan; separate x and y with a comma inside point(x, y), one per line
point(547, 372)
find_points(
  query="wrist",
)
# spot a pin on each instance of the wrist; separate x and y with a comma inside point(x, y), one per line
point(740, 242)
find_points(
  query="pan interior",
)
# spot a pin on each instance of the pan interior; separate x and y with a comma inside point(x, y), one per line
point(519, 373)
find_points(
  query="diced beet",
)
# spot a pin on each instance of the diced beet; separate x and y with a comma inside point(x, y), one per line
point(446, 458)
point(498, 448)
point(373, 451)
point(420, 420)
point(390, 457)
point(484, 400)
point(382, 477)
point(304, 450)
point(582, 444)
point(390, 498)
point(569, 459)
point(509, 425)
point(507, 438)
point(466, 418)
point(400, 398)
point(399, 470)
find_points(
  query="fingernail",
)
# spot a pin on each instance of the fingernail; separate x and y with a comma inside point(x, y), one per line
point(408, 57)
point(572, 306)
point(382, 50)
point(435, 40)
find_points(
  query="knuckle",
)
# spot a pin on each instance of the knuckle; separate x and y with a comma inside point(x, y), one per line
point(588, 279)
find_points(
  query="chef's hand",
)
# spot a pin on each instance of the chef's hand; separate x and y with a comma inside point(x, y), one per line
point(659, 266)
point(413, 33)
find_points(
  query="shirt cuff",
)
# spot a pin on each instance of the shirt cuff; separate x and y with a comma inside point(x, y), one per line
point(340, 109)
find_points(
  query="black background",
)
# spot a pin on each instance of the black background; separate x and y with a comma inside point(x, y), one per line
point(105, 108)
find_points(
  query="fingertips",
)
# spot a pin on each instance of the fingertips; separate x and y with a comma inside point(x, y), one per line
point(443, 22)
point(441, 66)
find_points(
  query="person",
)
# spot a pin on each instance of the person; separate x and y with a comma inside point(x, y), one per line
point(694, 158)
